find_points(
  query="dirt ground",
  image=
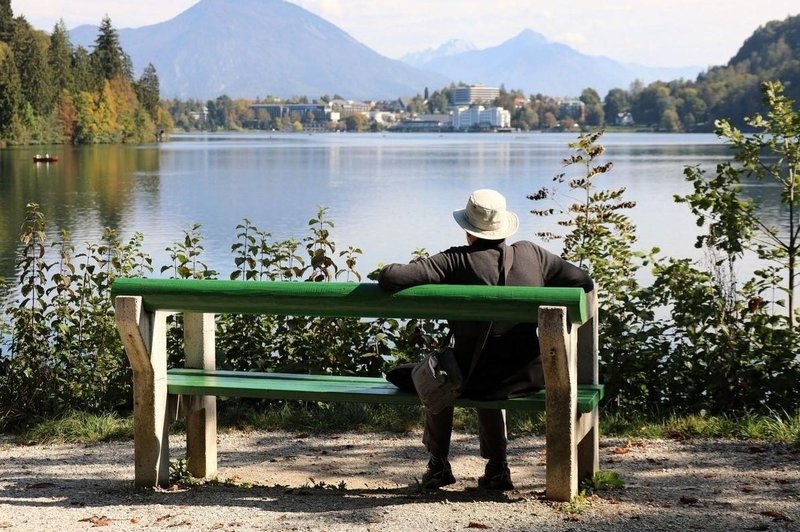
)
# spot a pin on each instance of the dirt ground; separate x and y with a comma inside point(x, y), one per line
point(353, 482)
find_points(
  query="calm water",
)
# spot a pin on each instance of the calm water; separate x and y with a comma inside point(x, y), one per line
point(388, 194)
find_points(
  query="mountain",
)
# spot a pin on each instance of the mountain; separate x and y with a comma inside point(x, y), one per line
point(535, 65)
point(255, 48)
point(449, 48)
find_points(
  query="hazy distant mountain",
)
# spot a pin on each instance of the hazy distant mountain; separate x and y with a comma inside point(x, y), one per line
point(250, 48)
point(451, 47)
point(535, 65)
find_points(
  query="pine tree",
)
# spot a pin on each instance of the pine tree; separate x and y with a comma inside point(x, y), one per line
point(59, 56)
point(147, 90)
point(84, 77)
point(31, 61)
point(108, 55)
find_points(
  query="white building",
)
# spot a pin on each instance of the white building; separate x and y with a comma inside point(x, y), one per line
point(465, 118)
point(472, 94)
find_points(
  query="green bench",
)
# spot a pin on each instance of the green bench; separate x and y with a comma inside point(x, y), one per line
point(566, 319)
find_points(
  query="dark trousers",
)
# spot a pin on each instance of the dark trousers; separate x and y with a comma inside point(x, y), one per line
point(491, 432)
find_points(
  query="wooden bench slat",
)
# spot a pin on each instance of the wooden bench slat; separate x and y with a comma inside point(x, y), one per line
point(333, 388)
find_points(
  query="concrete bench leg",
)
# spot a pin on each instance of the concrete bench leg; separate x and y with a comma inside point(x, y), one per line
point(589, 448)
point(588, 373)
point(144, 336)
point(560, 374)
point(201, 419)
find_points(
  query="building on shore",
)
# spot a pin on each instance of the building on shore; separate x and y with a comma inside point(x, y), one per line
point(479, 117)
point(466, 95)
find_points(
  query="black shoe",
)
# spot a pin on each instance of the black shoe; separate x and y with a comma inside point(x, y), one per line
point(437, 475)
point(496, 477)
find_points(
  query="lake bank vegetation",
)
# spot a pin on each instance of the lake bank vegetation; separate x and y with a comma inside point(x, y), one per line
point(696, 341)
point(53, 93)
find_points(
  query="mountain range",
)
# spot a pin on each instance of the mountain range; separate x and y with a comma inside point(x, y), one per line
point(255, 48)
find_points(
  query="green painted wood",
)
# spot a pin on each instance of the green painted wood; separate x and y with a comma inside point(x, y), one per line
point(332, 388)
point(362, 300)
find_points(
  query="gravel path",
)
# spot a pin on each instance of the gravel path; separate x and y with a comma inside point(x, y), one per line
point(354, 482)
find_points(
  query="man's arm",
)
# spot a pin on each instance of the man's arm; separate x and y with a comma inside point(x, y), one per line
point(426, 271)
point(559, 272)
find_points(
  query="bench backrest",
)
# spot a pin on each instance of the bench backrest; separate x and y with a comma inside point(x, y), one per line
point(361, 300)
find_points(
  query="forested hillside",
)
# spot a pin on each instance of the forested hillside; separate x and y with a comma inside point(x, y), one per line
point(51, 92)
point(771, 53)
point(732, 91)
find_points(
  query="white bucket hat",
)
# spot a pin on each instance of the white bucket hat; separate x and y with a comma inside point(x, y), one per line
point(486, 216)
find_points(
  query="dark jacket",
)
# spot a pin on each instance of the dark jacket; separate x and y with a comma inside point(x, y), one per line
point(509, 364)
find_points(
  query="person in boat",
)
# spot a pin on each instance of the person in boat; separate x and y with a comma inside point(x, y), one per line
point(509, 363)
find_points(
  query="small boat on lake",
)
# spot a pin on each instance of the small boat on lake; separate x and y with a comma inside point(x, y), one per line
point(47, 158)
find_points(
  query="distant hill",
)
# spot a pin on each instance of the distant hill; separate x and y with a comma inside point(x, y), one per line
point(535, 65)
point(771, 53)
point(255, 48)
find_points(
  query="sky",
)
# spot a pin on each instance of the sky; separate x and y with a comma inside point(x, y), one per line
point(662, 33)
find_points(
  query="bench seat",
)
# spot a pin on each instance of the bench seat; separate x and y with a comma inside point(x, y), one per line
point(334, 388)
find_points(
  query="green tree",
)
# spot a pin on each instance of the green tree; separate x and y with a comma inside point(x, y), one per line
point(59, 57)
point(10, 94)
point(356, 122)
point(595, 115)
point(84, 75)
point(615, 103)
point(34, 72)
point(771, 154)
point(107, 53)
point(6, 21)
point(147, 90)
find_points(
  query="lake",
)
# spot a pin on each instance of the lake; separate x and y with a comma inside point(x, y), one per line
point(388, 194)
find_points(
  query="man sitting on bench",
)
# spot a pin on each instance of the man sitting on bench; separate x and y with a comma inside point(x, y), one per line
point(509, 363)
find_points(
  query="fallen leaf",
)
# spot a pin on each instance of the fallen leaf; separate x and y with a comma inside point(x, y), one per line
point(473, 524)
point(101, 520)
point(163, 518)
point(623, 449)
point(134, 520)
point(5, 524)
point(688, 500)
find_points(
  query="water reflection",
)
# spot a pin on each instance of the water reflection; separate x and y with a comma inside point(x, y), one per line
point(388, 194)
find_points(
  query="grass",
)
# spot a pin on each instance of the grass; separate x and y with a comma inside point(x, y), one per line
point(79, 427)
